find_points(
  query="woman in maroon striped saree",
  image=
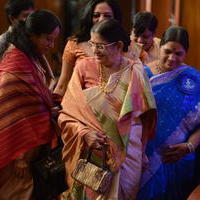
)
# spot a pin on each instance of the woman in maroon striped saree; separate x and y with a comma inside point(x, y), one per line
point(26, 106)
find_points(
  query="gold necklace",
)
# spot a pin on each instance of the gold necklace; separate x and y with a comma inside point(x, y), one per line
point(107, 89)
point(159, 69)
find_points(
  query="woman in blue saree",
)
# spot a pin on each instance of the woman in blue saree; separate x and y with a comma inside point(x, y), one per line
point(169, 175)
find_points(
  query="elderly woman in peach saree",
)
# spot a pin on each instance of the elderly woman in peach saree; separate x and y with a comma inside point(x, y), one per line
point(108, 101)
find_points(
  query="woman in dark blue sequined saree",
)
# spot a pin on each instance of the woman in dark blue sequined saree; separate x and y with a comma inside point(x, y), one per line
point(169, 175)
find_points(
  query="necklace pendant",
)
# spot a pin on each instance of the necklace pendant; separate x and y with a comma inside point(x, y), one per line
point(106, 87)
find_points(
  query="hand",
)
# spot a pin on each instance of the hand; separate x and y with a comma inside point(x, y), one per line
point(20, 168)
point(81, 54)
point(95, 139)
point(174, 153)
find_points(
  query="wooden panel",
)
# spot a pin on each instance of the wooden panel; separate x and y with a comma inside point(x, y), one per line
point(189, 18)
point(177, 11)
point(161, 9)
point(140, 5)
point(126, 7)
point(3, 19)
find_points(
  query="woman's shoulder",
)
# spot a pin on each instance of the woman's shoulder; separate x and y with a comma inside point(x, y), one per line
point(188, 81)
point(86, 63)
point(190, 70)
point(14, 59)
point(80, 49)
point(70, 49)
point(86, 66)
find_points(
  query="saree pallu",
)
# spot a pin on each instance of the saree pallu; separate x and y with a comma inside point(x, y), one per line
point(115, 114)
point(24, 115)
point(177, 95)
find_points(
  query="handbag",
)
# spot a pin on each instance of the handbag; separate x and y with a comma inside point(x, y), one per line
point(49, 174)
point(92, 176)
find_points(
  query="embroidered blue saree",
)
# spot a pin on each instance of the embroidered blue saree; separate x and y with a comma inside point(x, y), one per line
point(177, 95)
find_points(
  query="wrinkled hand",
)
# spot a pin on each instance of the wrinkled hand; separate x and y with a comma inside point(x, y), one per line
point(20, 168)
point(95, 140)
point(81, 54)
point(174, 153)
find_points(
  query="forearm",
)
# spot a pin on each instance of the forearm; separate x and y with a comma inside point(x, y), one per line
point(66, 73)
point(61, 85)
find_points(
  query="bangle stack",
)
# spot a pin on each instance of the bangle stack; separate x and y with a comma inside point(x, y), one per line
point(190, 147)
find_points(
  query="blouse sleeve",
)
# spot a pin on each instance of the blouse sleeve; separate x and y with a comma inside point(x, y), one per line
point(69, 54)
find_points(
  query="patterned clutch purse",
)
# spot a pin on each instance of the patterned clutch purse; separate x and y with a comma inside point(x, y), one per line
point(91, 175)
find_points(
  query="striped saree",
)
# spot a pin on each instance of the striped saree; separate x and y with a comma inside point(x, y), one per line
point(25, 110)
point(86, 107)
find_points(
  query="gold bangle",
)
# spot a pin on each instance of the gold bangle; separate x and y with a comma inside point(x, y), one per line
point(190, 147)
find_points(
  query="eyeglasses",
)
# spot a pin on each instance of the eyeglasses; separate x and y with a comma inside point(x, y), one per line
point(100, 46)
